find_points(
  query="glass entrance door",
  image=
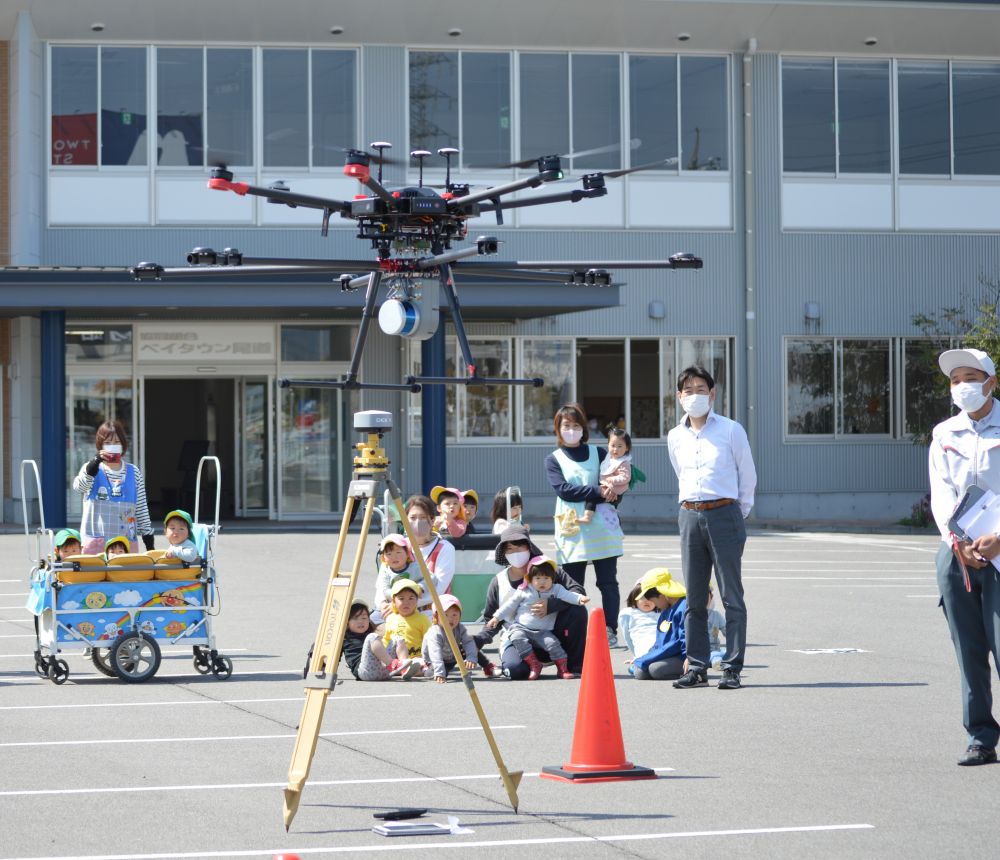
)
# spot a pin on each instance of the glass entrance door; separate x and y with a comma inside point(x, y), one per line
point(310, 462)
point(254, 443)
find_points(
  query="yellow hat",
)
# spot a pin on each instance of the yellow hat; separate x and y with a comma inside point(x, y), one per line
point(659, 578)
point(471, 494)
point(402, 584)
point(438, 491)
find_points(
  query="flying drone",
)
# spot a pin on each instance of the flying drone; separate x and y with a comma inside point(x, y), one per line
point(412, 230)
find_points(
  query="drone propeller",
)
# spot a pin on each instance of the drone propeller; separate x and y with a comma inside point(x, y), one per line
point(663, 162)
point(634, 143)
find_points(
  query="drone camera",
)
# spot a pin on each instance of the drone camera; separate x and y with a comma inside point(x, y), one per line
point(147, 272)
point(686, 260)
point(487, 244)
point(202, 257)
point(550, 168)
point(231, 257)
point(373, 421)
point(593, 180)
point(221, 173)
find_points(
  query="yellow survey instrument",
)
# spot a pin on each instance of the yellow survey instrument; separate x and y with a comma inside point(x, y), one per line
point(371, 476)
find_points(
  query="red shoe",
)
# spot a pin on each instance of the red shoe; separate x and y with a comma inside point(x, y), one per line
point(534, 664)
point(397, 667)
point(563, 670)
point(490, 670)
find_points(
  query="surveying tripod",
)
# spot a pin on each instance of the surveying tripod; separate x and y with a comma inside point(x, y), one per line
point(370, 478)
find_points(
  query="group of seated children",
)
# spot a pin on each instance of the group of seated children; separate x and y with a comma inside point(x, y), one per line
point(177, 526)
point(456, 509)
point(652, 626)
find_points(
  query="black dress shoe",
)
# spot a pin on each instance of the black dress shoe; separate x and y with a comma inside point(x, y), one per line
point(730, 680)
point(977, 754)
point(691, 678)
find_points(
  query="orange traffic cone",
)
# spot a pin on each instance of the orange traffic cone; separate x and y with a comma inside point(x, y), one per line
point(598, 751)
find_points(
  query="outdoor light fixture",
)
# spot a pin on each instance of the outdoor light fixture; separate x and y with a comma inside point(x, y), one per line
point(656, 310)
point(455, 31)
point(812, 315)
point(97, 27)
point(683, 37)
point(871, 41)
point(336, 31)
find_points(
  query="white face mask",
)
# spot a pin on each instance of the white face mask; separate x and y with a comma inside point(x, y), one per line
point(112, 448)
point(518, 559)
point(571, 437)
point(696, 405)
point(421, 528)
point(968, 396)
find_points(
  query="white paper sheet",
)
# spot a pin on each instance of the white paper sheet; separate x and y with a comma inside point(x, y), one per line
point(983, 518)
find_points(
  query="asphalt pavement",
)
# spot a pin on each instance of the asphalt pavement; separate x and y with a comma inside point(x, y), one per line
point(841, 744)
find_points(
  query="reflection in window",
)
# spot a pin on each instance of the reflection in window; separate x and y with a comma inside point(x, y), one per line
point(653, 108)
point(433, 99)
point(99, 342)
point(600, 382)
point(316, 343)
point(308, 450)
point(644, 389)
point(863, 116)
point(924, 145)
point(864, 387)
point(809, 387)
point(229, 74)
point(179, 106)
point(713, 355)
point(123, 106)
point(334, 83)
point(807, 116)
point(286, 108)
point(925, 388)
point(74, 106)
point(485, 109)
point(552, 360)
point(596, 102)
point(704, 111)
point(544, 80)
point(976, 93)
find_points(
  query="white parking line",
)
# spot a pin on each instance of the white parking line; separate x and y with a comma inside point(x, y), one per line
point(17, 635)
point(464, 846)
point(167, 653)
point(212, 738)
point(910, 579)
point(190, 702)
point(313, 783)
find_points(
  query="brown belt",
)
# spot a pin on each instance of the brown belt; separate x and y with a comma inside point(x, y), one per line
point(708, 506)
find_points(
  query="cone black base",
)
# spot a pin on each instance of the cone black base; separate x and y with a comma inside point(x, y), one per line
point(610, 775)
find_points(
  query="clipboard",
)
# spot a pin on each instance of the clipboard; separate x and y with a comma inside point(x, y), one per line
point(973, 495)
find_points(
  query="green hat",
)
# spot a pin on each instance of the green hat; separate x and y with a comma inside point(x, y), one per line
point(119, 539)
point(64, 535)
point(184, 515)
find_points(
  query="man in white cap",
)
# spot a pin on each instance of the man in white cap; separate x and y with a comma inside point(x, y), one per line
point(965, 451)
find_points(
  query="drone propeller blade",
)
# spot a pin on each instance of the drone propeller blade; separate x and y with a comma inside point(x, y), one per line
point(652, 165)
point(634, 143)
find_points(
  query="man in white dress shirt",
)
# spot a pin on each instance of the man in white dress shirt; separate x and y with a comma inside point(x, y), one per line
point(716, 481)
point(965, 450)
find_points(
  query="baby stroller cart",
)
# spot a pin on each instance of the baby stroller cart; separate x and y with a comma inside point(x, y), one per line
point(121, 611)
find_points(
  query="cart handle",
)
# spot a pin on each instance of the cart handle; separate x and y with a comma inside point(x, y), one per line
point(218, 487)
point(41, 511)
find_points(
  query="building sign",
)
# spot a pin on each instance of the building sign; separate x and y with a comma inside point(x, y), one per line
point(204, 343)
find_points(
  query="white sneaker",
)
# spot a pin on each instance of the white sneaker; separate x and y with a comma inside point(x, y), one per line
point(612, 638)
point(413, 668)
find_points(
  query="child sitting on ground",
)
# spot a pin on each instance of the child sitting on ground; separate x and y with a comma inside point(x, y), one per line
point(363, 650)
point(471, 508)
point(507, 509)
point(67, 542)
point(637, 623)
point(177, 529)
point(438, 657)
point(395, 558)
point(117, 546)
point(667, 658)
point(616, 470)
point(528, 632)
point(405, 629)
point(450, 521)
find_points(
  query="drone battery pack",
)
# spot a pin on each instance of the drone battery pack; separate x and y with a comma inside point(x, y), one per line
point(427, 205)
point(368, 206)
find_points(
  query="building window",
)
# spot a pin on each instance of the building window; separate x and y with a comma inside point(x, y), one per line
point(334, 106)
point(653, 111)
point(180, 109)
point(704, 113)
point(99, 342)
point(229, 105)
point(316, 343)
point(976, 118)
point(924, 118)
point(77, 101)
point(836, 116)
point(553, 360)
point(474, 413)
point(850, 387)
point(544, 80)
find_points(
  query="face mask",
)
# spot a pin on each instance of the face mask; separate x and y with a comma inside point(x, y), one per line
point(421, 528)
point(112, 448)
point(968, 396)
point(696, 405)
point(518, 559)
point(571, 437)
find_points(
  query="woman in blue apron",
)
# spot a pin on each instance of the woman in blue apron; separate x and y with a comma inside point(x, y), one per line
point(114, 495)
point(573, 470)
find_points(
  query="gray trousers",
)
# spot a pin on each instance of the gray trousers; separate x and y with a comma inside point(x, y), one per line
point(661, 670)
point(974, 622)
point(525, 641)
point(716, 539)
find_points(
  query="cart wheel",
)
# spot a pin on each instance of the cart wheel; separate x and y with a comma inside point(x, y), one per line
point(222, 668)
point(101, 658)
point(135, 657)
point(202, 664)
point(40, 668)
point(58, 671)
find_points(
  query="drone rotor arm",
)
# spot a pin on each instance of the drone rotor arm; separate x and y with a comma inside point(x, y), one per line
point(279, 195)
point(458, 203)
point(574, 196)
point(154, 272)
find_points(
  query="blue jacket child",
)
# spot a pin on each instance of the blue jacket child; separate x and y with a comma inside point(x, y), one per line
point(669, 640)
